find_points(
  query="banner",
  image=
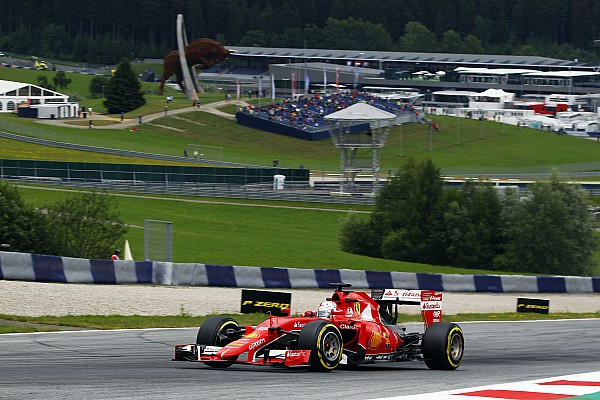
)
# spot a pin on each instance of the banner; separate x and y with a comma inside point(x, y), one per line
point(293, 83)
point(262, 301)
point(306, 82)
point(337, 79)
point(238, 90)
point(272, 87)
point(533, 305)
point(325, 81)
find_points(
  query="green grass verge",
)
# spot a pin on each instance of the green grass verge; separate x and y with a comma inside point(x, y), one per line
point(185, 321)
point(242, 233)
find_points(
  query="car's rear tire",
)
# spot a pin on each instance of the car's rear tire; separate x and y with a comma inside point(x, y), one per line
point(211, 333)
point(443, 346)
point(324, 341)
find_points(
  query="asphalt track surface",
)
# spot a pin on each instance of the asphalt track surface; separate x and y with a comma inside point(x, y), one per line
point(135, 364)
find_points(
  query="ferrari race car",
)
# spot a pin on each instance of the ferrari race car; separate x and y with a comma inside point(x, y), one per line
point(350, 328)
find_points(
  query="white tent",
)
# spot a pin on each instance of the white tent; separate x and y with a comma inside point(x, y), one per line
point(491, 99)
point(497, 93)
point(14, 93)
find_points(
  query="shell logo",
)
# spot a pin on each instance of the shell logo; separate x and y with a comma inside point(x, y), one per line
point(376, 339)
point(252, 335)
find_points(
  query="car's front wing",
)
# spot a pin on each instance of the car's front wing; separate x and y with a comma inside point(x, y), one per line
point(282, 358)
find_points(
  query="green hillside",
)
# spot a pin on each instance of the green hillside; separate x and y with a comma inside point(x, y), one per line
point(458, 145)
point(227, 234)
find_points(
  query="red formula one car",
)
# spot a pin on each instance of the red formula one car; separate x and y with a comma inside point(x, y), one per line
point(350, 328)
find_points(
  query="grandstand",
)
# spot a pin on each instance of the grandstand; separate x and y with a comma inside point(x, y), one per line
point(304, 118)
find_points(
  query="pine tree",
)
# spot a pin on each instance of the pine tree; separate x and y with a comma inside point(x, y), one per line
point(123, 92)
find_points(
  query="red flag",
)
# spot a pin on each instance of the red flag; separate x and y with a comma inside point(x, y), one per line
point(337, 79)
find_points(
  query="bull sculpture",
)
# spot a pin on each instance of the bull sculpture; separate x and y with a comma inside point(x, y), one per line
point(201, 52)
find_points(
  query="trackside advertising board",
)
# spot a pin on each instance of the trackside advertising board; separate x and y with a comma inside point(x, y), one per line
point(533, 305)
point(262, 301)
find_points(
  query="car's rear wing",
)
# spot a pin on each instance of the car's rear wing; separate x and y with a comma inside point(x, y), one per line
point(429, 300)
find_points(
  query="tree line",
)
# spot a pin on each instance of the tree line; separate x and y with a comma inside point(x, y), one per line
point(106, 32)
point(84, 225)
point(417, 220)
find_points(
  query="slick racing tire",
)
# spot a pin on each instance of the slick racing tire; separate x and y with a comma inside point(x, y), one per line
point(212, 333)
point(324, 341)
point(443, 346)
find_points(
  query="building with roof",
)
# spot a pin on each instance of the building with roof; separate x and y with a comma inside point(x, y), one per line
point(427, 72)
point(15, 95)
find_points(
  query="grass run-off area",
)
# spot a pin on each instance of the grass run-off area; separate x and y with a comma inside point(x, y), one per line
point(46, 323)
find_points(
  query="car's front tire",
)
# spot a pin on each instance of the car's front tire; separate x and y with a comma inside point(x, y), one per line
point(324, 341)
point(443, 346)
point(212, 333)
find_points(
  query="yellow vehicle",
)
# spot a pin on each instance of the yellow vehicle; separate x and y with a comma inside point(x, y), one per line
point(41, 65)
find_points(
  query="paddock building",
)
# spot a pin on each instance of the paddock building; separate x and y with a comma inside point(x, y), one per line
point(279, 68)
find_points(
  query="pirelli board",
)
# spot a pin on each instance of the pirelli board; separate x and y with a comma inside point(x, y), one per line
point(263, 301)
point(533, 305)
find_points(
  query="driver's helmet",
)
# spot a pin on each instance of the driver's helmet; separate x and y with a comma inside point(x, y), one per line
point(325, 308)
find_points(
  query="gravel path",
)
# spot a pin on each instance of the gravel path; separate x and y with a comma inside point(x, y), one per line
point(35, 299)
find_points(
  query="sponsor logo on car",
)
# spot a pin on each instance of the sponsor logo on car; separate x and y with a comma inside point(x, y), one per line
point(377, 338)
point(378, 357)
point(210, 350)
point(257, 344)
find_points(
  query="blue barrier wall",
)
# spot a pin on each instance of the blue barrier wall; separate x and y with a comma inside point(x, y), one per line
point(41, 268)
